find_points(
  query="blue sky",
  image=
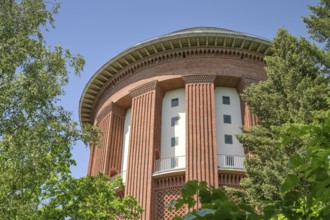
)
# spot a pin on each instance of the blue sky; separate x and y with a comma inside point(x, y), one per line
point(101, 29)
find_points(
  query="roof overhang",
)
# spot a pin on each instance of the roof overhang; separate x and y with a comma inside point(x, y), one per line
point(183, 39)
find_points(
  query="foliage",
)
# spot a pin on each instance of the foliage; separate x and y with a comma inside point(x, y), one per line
point(288, 164)
point(296, 91)
point(36, 134)
point(311, 164)
point(319, 22)
point(214, 204)
point(91, 197)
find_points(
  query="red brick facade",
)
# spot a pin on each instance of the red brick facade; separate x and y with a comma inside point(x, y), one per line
point(201, 150)
point(141, 83)
point(144, 140)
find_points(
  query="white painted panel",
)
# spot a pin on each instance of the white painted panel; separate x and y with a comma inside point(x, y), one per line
point(127, 126)
point(169, 131)
point(234, 109)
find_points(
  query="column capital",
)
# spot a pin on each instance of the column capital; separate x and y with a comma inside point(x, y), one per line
point(145, 88)
point(245, 82)
point(199, 78)
point(114, 108)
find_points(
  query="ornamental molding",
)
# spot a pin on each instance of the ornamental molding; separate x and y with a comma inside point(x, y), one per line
point(199, 78)
point(176, 55)
point(112, 108)
point(245, 82)
point(152, 86)
point(166, 58)
point(169, 182)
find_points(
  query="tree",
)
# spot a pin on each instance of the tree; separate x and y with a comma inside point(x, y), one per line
point(288, 171)
point(215, 205)
point(36, 134)
point(319, 22)
point(311, 165)
point(296, 91)
point(91, 197)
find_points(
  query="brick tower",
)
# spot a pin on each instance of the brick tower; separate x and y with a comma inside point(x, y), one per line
point(169, 109)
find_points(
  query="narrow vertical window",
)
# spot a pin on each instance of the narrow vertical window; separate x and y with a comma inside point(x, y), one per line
point(174, 141)
point(226, 100)
point(175, 121)
point(228, 139)
point(174, 102)
point(227, 119)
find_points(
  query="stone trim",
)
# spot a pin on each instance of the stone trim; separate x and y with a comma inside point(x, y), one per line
point(199, 78)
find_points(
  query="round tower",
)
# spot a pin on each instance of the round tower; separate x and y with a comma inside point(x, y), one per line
point(169, 109)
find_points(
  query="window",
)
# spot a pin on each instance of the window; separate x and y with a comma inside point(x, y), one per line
point(174, 141)
point(174, 102)
point(227, 119)
point(226, 100)
point(175, 121)
point(230, 161)
point(228, 139)
point(174, 162)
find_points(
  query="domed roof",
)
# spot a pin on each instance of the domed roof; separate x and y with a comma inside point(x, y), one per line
point(209, 30)
point(182, 39)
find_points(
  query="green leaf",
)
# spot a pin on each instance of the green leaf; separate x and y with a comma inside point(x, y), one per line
point(295, 161)
point(190, 216)
point(289, 183)
point(190, 188)
point(203, 212)
point(269, 212)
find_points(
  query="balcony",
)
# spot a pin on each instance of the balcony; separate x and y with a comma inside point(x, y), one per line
point(170, 164)
point(122, 175)
point(230, 162)
point(174, 164)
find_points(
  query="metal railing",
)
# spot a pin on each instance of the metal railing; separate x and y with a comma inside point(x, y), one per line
point(122, 175)
point(170, 163)
point(230, 162)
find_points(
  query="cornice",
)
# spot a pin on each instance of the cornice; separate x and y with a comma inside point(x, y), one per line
point(185, 44)
point(167, 58)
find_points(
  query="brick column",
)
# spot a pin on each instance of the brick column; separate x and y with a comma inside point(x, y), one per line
point(109, 156)
point(201, 150)
point(248, 119)
point(114, 149)
point(144, 140)
point(91, 158)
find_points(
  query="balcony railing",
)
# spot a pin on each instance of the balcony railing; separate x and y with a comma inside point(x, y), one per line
point(122, 174)
point(170, 163)
point(230, 162)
